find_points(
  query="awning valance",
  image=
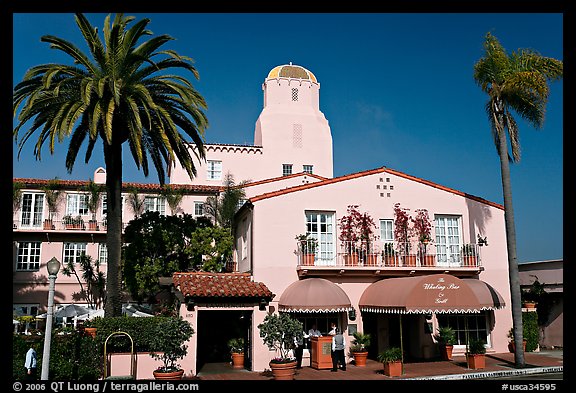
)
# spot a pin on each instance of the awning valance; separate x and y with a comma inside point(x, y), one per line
point(436, 293)
point(314, 295)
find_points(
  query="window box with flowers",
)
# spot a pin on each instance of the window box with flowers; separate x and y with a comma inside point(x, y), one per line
point(349, 235)
point(366, 228)
point(307, 248)
point(73, 222)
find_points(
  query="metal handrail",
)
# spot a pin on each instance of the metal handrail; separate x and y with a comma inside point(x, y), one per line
point(119, 333)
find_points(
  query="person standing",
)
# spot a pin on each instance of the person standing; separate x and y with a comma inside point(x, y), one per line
point(338, 345)
point(333, 329)
point(30, 364)
point(299, 349)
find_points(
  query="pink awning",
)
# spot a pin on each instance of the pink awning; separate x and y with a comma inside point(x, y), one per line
point(314, 295)
point(435, 293)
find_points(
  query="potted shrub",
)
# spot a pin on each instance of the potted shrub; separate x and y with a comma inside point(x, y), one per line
point(349, 235)
point(531, 296)
point(389, 255)
point(392, 360)
point(512, 345)
point(236, 346)
point(366, 227)
point(279, 333)
point(53, 195)
point(476, 354)
point(73, 222)
point(359, 348)
point(402, 234)
point(469, 255)
point(94, 195)
point(307, 246)
point(169, 345)
point(446, 338)
point(423, 230)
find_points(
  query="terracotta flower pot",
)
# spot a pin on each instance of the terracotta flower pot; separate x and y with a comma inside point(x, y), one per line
point(283, 371)
point(351, 259)
point(446, 351)
point(171, 375)
point(476, 360)
point(360, 358)
point(372, 260)
point(308, 259)
point(237, 360)
point(393, 369)
point(90, 331)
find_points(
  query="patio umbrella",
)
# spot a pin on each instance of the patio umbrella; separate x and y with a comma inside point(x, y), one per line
point(91, 315)
point(71, 310)
point(135, 311)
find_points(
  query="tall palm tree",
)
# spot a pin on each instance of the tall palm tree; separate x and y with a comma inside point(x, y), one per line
point(118, 93)
point(517, 82)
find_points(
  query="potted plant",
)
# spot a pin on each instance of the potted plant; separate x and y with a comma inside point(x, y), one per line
point(532, 295)
point(279, 333)
point(476, 353)
point(392, 360)
point(236, 346)
point(423, 231)
point(359, 348)
point(366, 227)
point(349, 235)
point(94, 195)
point(73, 222)
point(446, 338)
point(402, 234)
point(307, 246)
point(53, 195)
point(389, 255)
point(169, 345)
point(511, 343)
point(469, 255)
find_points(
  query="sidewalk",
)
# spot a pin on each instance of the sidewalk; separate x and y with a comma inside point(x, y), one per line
point(499, 364)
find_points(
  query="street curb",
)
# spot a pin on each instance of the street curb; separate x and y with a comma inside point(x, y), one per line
point(492, 374)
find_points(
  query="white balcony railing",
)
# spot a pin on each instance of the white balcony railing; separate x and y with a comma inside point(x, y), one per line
point(393, 254)
point(73, 224)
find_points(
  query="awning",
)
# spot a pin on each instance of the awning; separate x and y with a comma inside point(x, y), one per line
point(314, 295)
point(435, 293)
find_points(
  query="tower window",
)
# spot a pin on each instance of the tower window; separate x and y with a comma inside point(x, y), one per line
point(294, 94)
point(286, 169)
point(308, 168)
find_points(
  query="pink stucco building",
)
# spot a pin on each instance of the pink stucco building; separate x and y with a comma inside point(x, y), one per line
point(452, 281)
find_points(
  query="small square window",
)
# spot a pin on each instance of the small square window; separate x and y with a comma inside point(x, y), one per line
point(387, 180)
point(286, 169)
point(391, 187)
point(377, 186)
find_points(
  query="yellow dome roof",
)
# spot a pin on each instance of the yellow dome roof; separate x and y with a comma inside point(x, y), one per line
point(291, 71)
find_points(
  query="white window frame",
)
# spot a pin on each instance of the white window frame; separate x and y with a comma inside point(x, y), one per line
point(214, 170)
point(72, 250)
point(28, 256)
point(308, 169)
point(198, 208)
point(32, 209)
point(386, 230)
point(102, 253)
point(155, 204)
point(321, 225)
point(77, 204)
point(448, 230)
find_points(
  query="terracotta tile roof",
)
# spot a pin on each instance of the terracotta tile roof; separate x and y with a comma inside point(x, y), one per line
point(279, 178)
point(367, 173)
point(220, 285)
point(151, 187)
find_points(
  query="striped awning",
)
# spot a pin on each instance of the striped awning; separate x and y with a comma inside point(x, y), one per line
point(314, 295)
point(430, 294)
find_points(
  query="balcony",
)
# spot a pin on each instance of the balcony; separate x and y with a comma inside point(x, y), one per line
point(377, 258)
point(64, 224)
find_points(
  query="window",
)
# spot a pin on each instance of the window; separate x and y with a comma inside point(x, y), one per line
point(308, 168)
point(102, 253)
point(198, 209)
point(320, 226)
point(214, 170)
point(386, 231)
point(32, 209)
point(448, 240)
point(76, 204)
point(28, 256)
point(73, 251)
point(155, 204)
point(26, 310)
point(294, 94)
point(474, 323)
point(286, 169)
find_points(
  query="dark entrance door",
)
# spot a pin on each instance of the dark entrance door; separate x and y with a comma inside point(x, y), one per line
point(215, 328)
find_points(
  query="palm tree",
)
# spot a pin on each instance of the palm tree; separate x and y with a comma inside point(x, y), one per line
point(517, 82)
point(117, 93)
point(222, 208)
point(173, 197)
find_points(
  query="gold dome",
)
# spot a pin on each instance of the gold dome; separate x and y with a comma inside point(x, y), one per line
point(291, 71)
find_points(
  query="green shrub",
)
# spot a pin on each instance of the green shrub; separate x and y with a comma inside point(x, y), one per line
point(390, 355)
point(530, 330)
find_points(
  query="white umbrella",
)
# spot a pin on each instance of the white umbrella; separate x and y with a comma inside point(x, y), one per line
point(91, 315)
point(71, 310)
point(135, 311)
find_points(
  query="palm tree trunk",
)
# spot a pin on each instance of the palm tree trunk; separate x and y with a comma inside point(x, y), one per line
point(511, 244)
point(113, 159)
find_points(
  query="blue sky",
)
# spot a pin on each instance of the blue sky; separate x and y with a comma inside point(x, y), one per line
point(397, 90)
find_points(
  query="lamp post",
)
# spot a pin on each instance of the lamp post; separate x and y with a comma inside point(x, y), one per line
point(53, 267)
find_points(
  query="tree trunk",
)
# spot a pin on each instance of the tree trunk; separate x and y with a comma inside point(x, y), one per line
point(113, 159)
point(511, 244)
